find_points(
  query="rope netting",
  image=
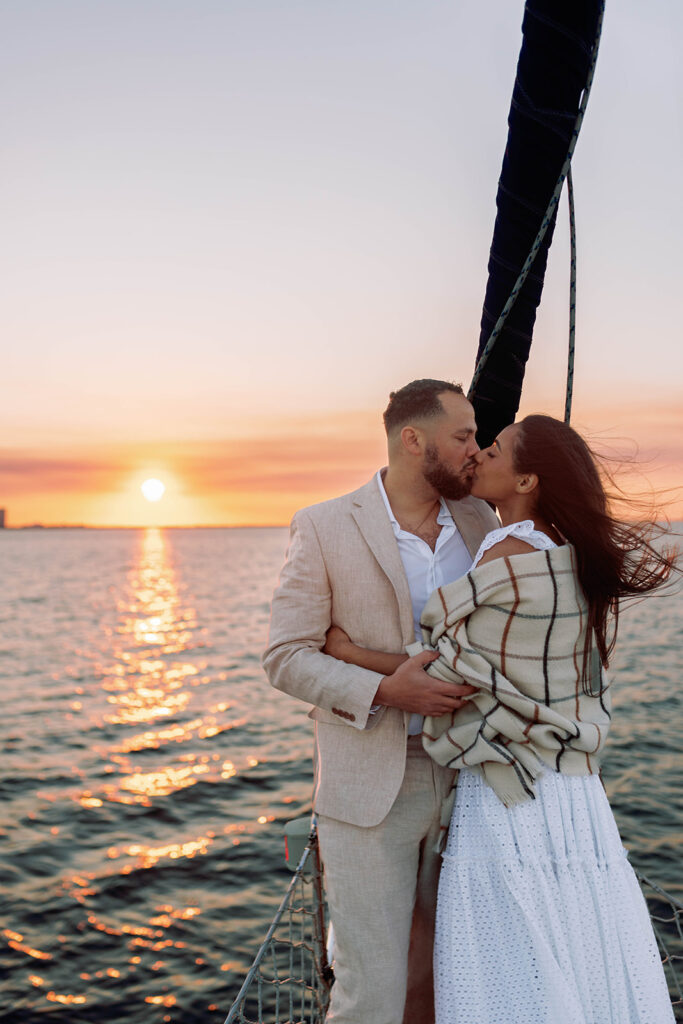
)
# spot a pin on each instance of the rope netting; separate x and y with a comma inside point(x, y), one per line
point(289, 981)
point(665, 914)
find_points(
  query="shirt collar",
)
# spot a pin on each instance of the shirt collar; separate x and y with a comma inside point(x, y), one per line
point(444, 517)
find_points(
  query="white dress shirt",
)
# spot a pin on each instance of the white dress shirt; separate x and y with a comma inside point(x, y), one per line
point(426, 569)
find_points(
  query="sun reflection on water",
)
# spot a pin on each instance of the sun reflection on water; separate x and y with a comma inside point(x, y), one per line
point(149, 682)
point(152, 676)
point(157, 725)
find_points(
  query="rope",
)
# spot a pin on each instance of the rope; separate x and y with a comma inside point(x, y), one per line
point(548, 216)
point(572, 300)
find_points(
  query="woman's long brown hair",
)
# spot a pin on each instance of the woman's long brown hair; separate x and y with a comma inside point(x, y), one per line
point(616, 559)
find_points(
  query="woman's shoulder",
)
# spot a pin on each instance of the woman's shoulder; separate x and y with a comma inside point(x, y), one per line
point(508, 546)
point(501, 578)
point(514, 539)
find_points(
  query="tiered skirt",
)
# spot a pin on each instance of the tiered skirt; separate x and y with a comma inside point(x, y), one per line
point(540, 917)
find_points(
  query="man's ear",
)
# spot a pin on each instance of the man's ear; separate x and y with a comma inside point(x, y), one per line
point(412, 440)
point(526, 483)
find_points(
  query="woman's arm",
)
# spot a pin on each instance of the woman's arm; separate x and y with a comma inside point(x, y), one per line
point(339, 646)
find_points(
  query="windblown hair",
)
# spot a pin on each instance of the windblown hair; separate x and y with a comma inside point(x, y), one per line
point(418, 400)
point(615, 559)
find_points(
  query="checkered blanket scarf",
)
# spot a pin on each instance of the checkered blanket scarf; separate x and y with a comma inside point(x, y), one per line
point(515, 628)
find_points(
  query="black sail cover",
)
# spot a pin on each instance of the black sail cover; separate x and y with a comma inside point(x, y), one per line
point(557, 46)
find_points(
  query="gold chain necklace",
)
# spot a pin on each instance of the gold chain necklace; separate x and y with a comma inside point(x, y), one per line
point(419, 526)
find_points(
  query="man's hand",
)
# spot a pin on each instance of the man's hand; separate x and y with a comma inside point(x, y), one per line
point(411, 689)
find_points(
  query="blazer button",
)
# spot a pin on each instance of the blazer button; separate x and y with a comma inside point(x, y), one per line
point(344, 714)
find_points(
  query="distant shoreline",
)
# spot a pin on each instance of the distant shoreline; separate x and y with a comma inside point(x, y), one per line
point(238, 526)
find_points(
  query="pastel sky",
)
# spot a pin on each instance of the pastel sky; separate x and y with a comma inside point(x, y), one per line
point(231, 227)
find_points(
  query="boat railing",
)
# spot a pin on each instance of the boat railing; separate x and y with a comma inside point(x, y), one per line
point(289, 981)
point(665, 914)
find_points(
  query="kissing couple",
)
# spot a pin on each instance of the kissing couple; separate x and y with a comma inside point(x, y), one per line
point(455, 663)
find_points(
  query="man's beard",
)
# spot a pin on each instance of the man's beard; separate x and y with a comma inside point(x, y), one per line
point(449, 484)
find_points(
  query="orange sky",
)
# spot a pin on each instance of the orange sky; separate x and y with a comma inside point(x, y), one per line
point(256, 480)
point(262, 479)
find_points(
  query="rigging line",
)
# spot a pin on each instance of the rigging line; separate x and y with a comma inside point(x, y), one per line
point(548, 216)
point(572, 299)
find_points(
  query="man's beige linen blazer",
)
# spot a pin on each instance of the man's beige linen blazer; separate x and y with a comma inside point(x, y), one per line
point(343, 567)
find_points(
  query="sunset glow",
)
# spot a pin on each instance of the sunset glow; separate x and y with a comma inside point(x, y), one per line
point(262, 479)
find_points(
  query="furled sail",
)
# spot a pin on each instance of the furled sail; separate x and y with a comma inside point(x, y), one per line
point(556, 60)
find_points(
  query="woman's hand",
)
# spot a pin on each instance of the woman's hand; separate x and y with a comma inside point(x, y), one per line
point(337, 644)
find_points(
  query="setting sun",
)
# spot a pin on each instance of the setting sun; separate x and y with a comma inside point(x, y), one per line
point(153, 489)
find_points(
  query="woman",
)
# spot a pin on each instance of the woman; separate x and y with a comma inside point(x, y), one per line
point(540, 918)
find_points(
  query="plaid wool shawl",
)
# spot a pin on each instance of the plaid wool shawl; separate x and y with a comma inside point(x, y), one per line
point(515, 628)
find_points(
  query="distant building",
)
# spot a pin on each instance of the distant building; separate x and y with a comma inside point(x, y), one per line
point(2, 519)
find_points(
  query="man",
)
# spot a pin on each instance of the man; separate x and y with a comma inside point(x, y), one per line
point(367, 562)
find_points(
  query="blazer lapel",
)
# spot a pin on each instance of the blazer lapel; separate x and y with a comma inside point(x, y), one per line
point(468, 523)
point(373, 522)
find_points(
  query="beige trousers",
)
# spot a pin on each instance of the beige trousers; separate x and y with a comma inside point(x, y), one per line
point(381, 885)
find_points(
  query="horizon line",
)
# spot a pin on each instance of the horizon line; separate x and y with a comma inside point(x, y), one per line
point(195, 526)
point(145, 526)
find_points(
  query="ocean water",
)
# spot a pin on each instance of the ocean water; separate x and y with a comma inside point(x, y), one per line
point(148, 768)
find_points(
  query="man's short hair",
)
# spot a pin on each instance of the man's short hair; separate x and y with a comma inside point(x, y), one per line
point(418, 400)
